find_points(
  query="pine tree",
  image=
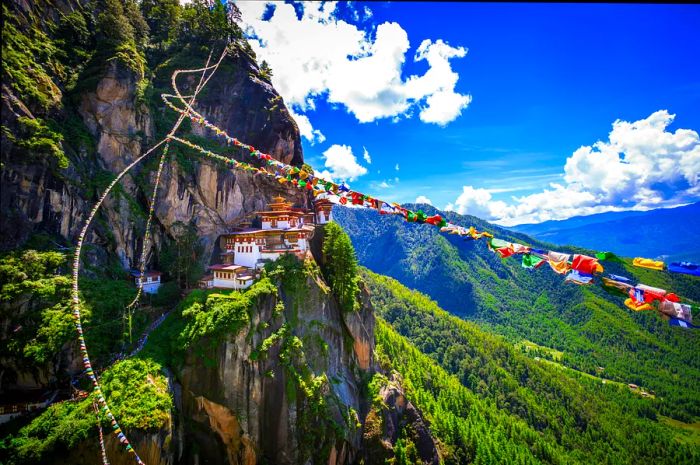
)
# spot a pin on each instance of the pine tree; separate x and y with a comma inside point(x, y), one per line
point(340, 266)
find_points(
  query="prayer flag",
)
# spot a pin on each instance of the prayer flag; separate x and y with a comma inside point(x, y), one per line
point(648, 263)
point(585, 264)
point(685, 268)
point(532, 262)
point(497, 243)
point(650, 294)
point(559, 262)
point(681, 323)
point(519, 248)
point(607, 256)
point(504, 252)
point(579, 278)
point(618, 286)
point(637, 306)
point(676, 310)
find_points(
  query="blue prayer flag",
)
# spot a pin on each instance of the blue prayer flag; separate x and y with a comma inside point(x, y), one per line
point(685, 268)
point(681, 323)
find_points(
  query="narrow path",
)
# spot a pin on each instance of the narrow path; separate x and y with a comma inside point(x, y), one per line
point(144, 338)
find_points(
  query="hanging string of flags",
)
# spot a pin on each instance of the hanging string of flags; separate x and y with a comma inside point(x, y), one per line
point(75, 293)
point(103, 450)
point(578, 269)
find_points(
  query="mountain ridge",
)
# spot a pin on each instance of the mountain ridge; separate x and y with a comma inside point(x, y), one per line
point(667, 233)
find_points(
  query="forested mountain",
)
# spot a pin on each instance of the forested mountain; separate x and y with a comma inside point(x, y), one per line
point(593, 329)
point(667, 233)
point(492, 402)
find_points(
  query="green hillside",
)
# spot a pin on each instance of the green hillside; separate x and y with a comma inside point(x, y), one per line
point(592, 328)
point(491, 403)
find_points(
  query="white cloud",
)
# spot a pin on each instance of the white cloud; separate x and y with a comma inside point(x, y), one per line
point(306, 129)
point(385, 184)
point(641, 166)
point(366, 156)
point(477, 202)
point(342, 163)
point(396, 167)
point(325, 175)
point(423, 199)
point(443, 107)
point(321, 56)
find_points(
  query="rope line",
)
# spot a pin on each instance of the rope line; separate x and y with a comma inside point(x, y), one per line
point(75, 296)
point(147, 236)
point(582, 269)
point(103, 450)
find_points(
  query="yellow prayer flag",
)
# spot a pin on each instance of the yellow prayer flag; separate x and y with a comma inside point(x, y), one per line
point(632, 305)
point(648, 263)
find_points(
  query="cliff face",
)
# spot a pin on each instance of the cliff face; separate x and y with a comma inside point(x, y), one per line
point(249, 406)
point(116, 127)
point(292, 388)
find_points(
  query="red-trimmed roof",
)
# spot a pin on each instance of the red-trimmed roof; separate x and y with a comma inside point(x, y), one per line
point(147, 274)
point(256, 231)
point(220, 267)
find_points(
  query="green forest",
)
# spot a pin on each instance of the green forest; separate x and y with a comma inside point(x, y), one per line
point(492, 402)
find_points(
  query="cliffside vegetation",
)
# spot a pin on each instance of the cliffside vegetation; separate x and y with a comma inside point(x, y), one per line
point(340, 266)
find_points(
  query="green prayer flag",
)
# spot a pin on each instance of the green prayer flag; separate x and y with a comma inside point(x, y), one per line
point(498, 243)
point(607, 256)
point(531, 261)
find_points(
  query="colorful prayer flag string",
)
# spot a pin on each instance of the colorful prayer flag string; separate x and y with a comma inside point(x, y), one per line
point(579, 269)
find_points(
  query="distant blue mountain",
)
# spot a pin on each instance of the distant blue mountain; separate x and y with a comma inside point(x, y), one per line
point(669, 233)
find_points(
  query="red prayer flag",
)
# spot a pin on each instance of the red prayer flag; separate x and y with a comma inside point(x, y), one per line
point(584, 264)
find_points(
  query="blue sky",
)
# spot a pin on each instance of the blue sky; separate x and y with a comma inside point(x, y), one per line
point(520, 95)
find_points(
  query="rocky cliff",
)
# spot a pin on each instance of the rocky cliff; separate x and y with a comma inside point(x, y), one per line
point(104, 123)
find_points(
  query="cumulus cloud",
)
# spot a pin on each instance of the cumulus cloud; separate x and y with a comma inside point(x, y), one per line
point(319, 55)
point(477, 202)
point(342, 164)
point(366, 156)
point(641, 166)
point(423, 199)
point(306, 129)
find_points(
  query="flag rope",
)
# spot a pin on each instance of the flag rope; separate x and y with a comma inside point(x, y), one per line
point(579, 269)
point(75, 296)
